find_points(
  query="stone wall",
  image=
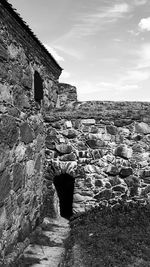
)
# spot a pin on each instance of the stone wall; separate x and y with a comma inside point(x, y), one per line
point(106, 147)
point(22, 133)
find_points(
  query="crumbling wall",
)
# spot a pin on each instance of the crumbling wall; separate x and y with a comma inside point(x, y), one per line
point(105, 146)
point(22, 134)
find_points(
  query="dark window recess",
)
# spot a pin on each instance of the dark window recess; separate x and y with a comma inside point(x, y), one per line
point(64, 185)
point(38, 87)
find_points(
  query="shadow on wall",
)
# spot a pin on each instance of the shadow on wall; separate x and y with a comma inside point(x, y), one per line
point(64, 184)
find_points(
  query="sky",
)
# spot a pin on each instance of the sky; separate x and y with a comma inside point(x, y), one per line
point(102, 45)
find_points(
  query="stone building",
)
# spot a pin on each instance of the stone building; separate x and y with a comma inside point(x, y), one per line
point(59, 155)
point(28, 86)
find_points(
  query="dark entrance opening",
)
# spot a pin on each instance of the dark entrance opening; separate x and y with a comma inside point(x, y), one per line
point(38, 87)
point(64, 184)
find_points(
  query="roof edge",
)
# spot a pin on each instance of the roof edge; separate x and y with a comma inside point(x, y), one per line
point(18, 18)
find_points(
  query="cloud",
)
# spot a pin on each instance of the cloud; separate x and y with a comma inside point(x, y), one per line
point(87, 24)
point(143, 55)
point(53, 52)
point(105, 90)
point(140, 2)
point(69, 51)
point(144, 24)
point(65, 75)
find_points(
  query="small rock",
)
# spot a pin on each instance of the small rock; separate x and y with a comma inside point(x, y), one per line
point(105, 194)
point(131, 181)
point(68, 157)
point(125, 172)
point(92, 143)
point(18, 176)
point(70, 133)
point(94, 129)
point(57, 125)
point(123, 151)
point(64, 148)
point(112, 170)
point(26, 133)
point(98, 183)
point(88, 121)
point(5, 185)
point(111, 129)
point(78, 198)
point(145, 173)
point(30, 167)
point(20, 152)
point(114, 180)
point(119, 188)
point(68, 124)
point(142, 127)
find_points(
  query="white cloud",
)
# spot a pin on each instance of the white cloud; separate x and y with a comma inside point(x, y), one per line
point(87, 24)
point(69, 51)
point(106, 90)
point(140, 2)
point(65, 75)
point(144, 24)
point(143, 57)
point(53, 52)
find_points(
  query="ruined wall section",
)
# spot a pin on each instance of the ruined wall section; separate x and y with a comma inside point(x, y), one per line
point(22, 134)
point(106, 147)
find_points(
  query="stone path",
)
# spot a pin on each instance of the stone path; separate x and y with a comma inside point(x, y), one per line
point(53, 234)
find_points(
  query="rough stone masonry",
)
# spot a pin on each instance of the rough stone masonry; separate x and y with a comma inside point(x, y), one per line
point(45, 132)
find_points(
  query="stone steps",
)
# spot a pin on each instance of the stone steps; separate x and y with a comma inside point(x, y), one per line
point(55, 231)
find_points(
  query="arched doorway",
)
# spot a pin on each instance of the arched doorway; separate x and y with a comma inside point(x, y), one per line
point(64, 184)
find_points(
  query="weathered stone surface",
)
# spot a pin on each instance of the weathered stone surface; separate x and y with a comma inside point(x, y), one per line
point(112, 170)
point(8, 131)
point(142, 127)
point(18, 176)
point(68, 124)
point(4, 157)
point(26, 133)
point(105, 194)
point(94, 129)
point(29, 152)
point(5, 185)
point(70, 133)
point(132, 181)
point(40, 142)
point(119, 188)
point(27, 79)
point(50, 144)
point(68, 157)
point(20, 152)
point(98, 183)
point(78, 198)
point(145, 173)
point(56, 125)
point(13, 111)
point(30, 167)
point(3, 51)
point(111, 129)
point(38, 163)
point(125, 172)
point(5, 93)
point(64, 148)
point(95, 144)
point(146, 190)
point(24, 231)
point(20, 100)
point(88, 121)
point(123, 151)
point(2, 218)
